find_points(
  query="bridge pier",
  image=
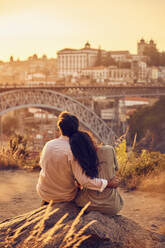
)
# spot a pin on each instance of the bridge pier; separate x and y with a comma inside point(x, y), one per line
point(119, 120)
point(123, 116)
point(116, 122)
point(116, 111)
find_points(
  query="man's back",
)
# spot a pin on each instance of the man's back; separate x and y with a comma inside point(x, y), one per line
point(56, 181)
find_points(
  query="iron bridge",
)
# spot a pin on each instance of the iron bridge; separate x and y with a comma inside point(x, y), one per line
point(67, 98)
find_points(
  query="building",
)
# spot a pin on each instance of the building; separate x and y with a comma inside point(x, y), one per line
point(161, 73)
point(134, 101)
point(126, 107)
point(72, 61)
point(143, 72)
point(98, 73)
point(38, 76)
point(77, 64)
point(121, 56)
point(120, 74)
point(109, 74)
point(142, 45)
point(153, 73)
point(140, 71)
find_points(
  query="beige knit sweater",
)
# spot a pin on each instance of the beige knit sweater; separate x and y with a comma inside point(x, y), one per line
point(58, 173)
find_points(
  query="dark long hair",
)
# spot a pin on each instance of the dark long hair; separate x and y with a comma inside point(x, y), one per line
point(67, 123)
point(84, 151)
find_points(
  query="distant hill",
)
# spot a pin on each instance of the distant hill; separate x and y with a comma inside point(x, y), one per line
point(149, 124)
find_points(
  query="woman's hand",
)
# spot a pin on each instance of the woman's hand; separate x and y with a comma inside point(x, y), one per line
point(113, 183)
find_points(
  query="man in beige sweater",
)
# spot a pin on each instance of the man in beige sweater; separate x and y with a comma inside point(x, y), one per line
point(60, 171)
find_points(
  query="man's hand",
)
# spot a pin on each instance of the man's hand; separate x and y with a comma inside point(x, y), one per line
point(113, 183)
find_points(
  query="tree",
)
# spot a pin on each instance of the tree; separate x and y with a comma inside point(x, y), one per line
point(108, 60)
point(11, 59)
point(149, 121)
point(124, 65)
point(99, 58)
point(105, 60)
point(44, 57)
point(153, 56)
point(10, 124)
point(162, 59)
point(35, 57)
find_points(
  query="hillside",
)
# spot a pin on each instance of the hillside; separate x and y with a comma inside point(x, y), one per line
point(148, 123)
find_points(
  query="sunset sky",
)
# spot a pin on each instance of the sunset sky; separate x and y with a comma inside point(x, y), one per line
point(46, 26)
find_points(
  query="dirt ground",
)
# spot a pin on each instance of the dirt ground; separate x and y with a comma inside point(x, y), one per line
point(18, 195)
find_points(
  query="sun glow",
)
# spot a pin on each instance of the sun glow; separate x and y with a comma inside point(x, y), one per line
point(48, 26)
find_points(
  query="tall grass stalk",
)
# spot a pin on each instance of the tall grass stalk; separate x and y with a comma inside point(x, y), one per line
point(72, 237)
point(38, 238)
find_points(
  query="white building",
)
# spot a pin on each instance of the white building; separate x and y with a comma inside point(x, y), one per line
point(126, 105)
point(153, 73)
point(120, 74)
point(43, 115)
point(140, 71)
point(99, 73)
point(134, 101)
point(143, 72)
point(34, 76)
point(72, 61)
point(161, 73)
point(81, 62)
point(111, 73)
point(136, 57)
point(108, 114)
point(40, 114)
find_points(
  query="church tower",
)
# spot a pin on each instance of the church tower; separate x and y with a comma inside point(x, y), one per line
point(87, 45)
point(141, 47)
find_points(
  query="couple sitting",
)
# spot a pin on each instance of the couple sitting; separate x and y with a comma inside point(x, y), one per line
point(74, 169)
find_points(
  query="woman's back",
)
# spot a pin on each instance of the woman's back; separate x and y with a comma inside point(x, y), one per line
point(108, 161)
point(109, 201)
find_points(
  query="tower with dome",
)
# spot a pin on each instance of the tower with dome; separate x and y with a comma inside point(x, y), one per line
point(71, 61)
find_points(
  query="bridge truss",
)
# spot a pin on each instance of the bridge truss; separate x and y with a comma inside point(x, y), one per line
point(49, 99)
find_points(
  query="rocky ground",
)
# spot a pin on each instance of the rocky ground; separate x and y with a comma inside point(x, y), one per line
point(18, 196)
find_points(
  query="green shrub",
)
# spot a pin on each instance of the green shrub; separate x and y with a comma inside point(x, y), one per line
point(134, 167)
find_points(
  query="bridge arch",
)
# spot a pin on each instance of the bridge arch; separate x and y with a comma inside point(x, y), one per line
point(43, 98)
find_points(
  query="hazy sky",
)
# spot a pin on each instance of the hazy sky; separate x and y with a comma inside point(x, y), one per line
point(45, 26)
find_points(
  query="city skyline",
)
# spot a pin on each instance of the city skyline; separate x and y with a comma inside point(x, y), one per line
point(44, 27)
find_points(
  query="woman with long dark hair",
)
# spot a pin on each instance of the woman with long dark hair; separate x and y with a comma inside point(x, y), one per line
point(60, 169)
point(84, 151)
point(96, 161)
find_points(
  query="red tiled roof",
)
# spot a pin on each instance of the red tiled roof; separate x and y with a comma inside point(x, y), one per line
point(136, 98)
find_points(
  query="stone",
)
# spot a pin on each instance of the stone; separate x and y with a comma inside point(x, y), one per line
point(53, 229)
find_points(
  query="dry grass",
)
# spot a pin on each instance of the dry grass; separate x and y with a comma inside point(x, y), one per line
point(38, 238)
point(7, 161)
point(10, 162)
point(162, 230)
point(153, 183)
